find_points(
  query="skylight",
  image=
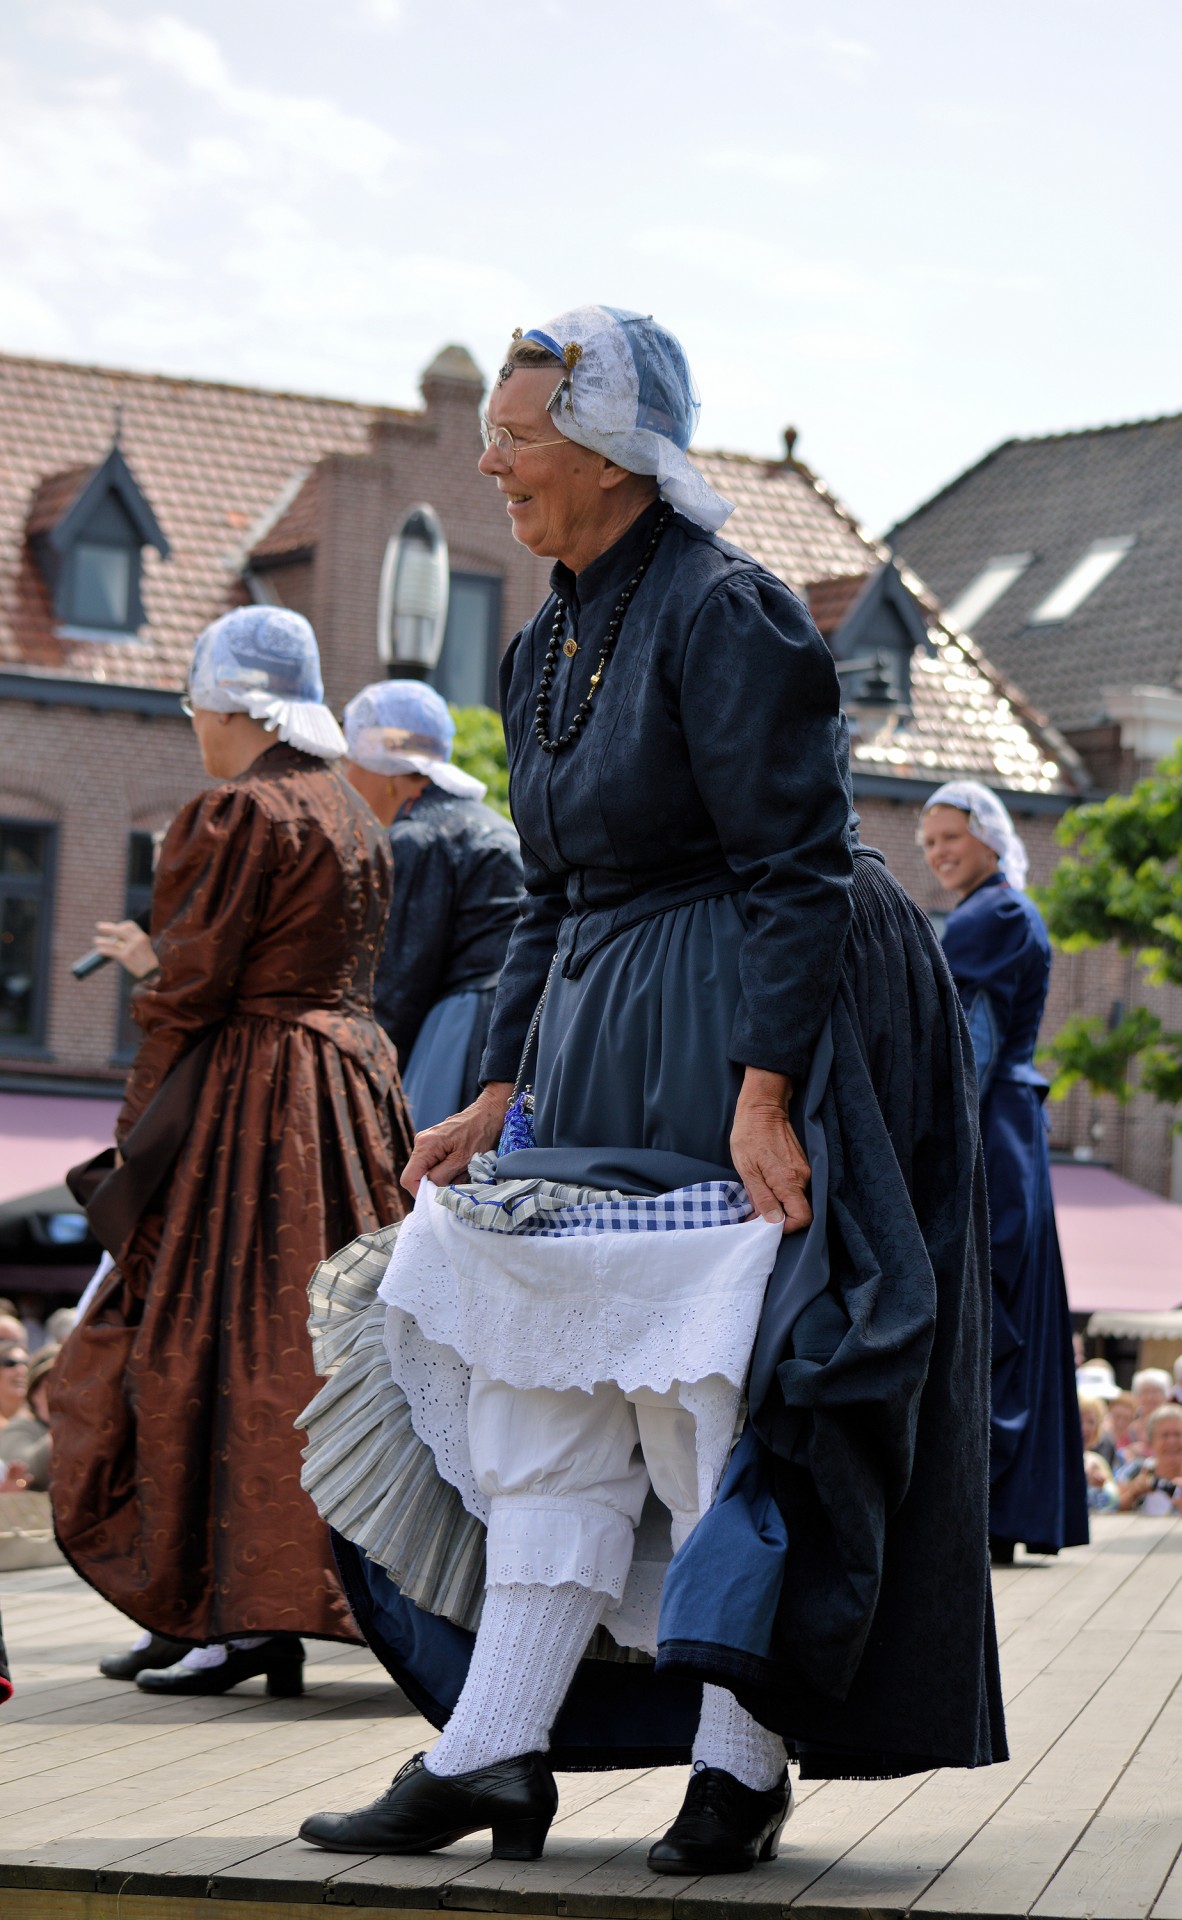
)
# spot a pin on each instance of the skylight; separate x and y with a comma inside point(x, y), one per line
point(994, 579)
point(1085, 576)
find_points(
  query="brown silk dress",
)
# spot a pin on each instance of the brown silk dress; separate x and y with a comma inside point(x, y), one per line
point(176, 1474)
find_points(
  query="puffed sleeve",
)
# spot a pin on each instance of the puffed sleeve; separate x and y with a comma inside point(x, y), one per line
point(208, 898)
point(986, 945)
point(761, 712)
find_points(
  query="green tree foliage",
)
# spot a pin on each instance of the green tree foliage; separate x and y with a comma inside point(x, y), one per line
point(1123, 882)
point(479, 748)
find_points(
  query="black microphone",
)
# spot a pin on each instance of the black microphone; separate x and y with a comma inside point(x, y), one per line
point(92, 961)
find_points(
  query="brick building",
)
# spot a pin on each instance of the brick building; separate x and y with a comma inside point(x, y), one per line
point(136, 508)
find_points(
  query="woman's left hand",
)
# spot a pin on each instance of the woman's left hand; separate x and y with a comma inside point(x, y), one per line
point(767, 1155)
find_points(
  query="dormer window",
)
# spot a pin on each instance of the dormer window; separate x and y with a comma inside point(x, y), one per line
point(88, 528)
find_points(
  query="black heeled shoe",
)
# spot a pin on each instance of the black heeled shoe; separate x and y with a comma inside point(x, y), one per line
point(723, 1826)
point(159, 1652)
point(280, 1660)
point(421, 1811)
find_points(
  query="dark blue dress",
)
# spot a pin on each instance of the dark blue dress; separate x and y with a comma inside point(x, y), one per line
point(696, 898)
point(1000, 956)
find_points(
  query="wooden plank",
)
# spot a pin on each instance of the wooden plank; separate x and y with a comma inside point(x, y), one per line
point(1005, 1868)
point(1155, 1589)
point(1169, 1901)
point(1121, 1861)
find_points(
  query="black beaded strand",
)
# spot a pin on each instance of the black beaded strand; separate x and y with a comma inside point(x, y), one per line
point(542, 711)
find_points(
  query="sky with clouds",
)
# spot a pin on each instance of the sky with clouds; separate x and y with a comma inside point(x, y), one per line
point(911, 231)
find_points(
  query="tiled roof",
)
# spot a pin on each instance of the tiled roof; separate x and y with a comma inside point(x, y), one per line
point(295, 527)
point(210, 459)
point(1053, 498)
point(830, 600)
point(967, 719)
point(787, 518)
point(54, 497)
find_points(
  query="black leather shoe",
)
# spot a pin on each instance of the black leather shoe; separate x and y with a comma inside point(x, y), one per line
point(723, 1826)
point(280, 1660)
point(421, 1810)
point(1001, 1552)
point(159, 1652)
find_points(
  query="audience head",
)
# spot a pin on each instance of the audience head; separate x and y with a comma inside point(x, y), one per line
point(1119, 1418)
point(14, 1378)
point(1091, 1419)
point(37, 1392)
point(1151, 1387)
point(12, 1328)
point(1164, 1433)
point(60, 1324)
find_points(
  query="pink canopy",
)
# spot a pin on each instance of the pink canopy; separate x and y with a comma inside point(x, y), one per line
point(1122, 1245)
point(43, 1134)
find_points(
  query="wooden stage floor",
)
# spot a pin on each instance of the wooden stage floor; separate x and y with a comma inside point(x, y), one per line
point(115, 1806)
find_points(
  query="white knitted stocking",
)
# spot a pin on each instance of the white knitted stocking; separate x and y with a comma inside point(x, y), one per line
point(729, 1738)
point(528, 1645)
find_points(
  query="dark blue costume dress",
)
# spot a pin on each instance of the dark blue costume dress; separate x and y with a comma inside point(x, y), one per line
point(692, 874)
point(1000, 956)
point(457, 889)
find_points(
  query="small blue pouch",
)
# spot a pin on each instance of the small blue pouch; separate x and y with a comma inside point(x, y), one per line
point(518, 1128)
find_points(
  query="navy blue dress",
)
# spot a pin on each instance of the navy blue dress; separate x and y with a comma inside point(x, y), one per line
point(696, 899)
point(1000, 956)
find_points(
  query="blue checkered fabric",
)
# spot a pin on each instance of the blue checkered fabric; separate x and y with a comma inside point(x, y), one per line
point(542, 1206)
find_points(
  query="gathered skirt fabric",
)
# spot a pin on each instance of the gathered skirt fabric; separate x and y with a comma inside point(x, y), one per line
point(177, 1463)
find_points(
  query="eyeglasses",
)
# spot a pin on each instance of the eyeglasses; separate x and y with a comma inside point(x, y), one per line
point(14, 1360)
point(508, 447)
point(186, 706)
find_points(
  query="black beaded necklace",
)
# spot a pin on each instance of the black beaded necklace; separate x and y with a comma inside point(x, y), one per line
point(542, 711)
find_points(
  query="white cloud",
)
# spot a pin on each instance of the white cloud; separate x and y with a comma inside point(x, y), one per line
point(781, 169)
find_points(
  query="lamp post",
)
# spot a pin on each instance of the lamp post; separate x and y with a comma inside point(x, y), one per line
point(869, 708)
point(412, 597)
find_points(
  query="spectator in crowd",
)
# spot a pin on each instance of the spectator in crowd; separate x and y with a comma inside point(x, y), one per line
point(457, 889)
point(1091, 1420)
point(1154, 1485)
point(1115, 1443)
point(25, 1443)
point(14, 1381)
point(1096, 1379)
point(60, 1323)
point(12, 1327)
point(1152, 1387)
point(267, 1088)
point(1103, 1494)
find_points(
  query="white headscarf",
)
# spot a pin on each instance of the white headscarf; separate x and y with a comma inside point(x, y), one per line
point(403, 726)
point(264, 661)
point(629, 394)
point(989, 822)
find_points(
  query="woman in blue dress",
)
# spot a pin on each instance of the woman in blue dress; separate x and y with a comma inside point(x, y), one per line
point(997, 947)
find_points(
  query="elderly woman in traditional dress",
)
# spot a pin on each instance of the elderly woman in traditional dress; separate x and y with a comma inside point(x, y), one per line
point(997, 947)
point(262, 1123)
point(716, 997)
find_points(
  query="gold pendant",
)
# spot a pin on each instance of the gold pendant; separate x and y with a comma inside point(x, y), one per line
point(570, 647)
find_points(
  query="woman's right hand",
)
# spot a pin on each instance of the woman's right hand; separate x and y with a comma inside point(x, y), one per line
point(442, 1153)
point(126, 942)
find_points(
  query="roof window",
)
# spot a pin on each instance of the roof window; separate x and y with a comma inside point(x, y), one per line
point(88, 528)
point(1085, 576)
point(996, 577)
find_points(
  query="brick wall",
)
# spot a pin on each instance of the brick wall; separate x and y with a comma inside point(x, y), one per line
point(96, 775)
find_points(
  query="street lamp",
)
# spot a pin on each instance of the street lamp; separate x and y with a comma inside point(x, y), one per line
point(876, 699)
point(412, 597)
